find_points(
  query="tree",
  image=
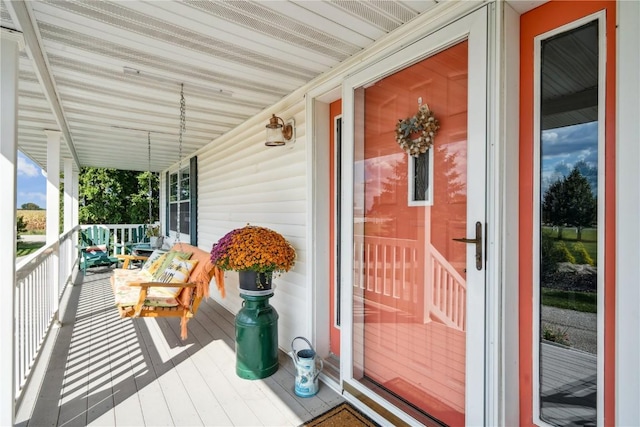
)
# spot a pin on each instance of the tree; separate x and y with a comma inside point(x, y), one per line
point(30, 207)
point(553, 206)
point(582, 206)
point(21, 226)
point(569, 202)
point(139, 207)
point(112, 196)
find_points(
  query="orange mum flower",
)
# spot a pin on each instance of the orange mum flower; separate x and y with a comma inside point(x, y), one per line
point(253, 248)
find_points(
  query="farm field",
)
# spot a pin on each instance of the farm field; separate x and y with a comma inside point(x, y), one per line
point(35, 220)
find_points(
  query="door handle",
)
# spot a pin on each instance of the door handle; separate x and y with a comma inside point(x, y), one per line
point(478, 242)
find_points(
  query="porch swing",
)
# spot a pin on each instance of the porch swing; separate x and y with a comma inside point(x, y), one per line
point(136, 296)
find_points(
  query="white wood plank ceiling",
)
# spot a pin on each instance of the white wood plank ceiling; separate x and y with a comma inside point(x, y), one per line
point(235, 58)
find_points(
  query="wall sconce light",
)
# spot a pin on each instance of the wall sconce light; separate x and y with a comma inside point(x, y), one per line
point(279, 132)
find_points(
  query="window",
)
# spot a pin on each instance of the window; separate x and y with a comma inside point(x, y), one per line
point(420, 178)
point(181, 201)
point(569, 227)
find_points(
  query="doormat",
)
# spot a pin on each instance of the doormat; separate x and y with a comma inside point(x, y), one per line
point(340, 416)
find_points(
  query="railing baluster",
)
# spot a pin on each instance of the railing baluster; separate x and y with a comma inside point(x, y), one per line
point(35, 302)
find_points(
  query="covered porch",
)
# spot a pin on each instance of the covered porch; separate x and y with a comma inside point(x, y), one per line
point(185, 89)
point(98, 369)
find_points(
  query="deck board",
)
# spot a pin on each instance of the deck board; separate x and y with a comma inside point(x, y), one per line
point(104, 370)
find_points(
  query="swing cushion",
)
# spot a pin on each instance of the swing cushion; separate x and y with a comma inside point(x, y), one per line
point(153, 258)
point(164, 261)
point(177, 272)
point(127, 296)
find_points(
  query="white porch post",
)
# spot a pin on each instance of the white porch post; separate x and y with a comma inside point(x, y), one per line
point(76, 197)
point(53, 207)
point(74, 203)
point(11, 44)
point(68, 194)
point(68, 210)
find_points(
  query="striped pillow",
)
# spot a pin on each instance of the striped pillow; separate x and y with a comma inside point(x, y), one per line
point(177, 272)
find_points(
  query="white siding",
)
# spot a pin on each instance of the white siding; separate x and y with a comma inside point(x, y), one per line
point(241, 181)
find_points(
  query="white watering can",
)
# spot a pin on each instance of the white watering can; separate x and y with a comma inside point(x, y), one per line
point(308, 369)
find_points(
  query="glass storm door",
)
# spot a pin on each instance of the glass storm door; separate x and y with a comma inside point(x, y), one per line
point(417, 291)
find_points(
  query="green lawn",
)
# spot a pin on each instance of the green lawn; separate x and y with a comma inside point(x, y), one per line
point(589, 240)
point(569, 234)
point(579, 301)
point(26, 248)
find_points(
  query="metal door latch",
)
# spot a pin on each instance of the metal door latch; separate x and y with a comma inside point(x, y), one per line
point(478, 242)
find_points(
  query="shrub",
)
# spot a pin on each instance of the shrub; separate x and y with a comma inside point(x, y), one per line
point(555, 334)
point(582, 256)
point(553, 252)
point(21, 227)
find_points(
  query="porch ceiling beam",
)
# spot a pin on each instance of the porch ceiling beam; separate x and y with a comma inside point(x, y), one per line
point(570, 102)
point(21, 14)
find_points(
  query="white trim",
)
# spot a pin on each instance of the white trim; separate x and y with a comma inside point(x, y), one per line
point(16, 36)
point(474, 28)
point(503, 211)
point(68, 190)
point(9, 61)
point(336, 214)
point(317, 279)
point(53, 210)
point(602, 182)
point(428, 200)
point(601, 17)
point(22, 14)
point(184, 237)
point(476, 367)
point(627, 336)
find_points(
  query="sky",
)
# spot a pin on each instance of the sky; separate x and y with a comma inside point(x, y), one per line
point(32, 183)
point(563, 147)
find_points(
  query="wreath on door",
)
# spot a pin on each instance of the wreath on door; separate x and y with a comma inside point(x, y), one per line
point(415, 135)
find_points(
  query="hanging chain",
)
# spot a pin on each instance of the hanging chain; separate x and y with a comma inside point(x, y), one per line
point(149, 194)
point(182, 129)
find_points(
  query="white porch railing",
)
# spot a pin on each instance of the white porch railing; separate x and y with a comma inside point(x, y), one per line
point(36, 300)
point(446, 291)
point(396, 268)
point(122, 233)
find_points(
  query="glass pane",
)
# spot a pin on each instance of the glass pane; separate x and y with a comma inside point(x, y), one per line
point(409, 276)
point(568, 229)
point(420, 177)
point(173, 216)
point(173, 187)
point(184, 185)
point(184, 218)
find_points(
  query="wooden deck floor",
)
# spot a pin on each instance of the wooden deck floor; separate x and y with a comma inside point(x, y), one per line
point(104, 370)
point(568, 388)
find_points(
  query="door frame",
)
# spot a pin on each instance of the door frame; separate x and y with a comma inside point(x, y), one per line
point(473, 27)
point(600, 19)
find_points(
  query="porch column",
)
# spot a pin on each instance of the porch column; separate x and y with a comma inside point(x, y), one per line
point(68, 195)
point(75, 197)
point(11, 43)
point(53, 208)
point(74, 205)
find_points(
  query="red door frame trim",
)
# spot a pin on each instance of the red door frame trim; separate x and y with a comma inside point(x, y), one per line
point(538, 21)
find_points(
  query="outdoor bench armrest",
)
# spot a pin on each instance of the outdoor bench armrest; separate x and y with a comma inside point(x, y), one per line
point(162, 285)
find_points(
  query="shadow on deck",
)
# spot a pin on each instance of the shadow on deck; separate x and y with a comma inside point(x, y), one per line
point(104, 370)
